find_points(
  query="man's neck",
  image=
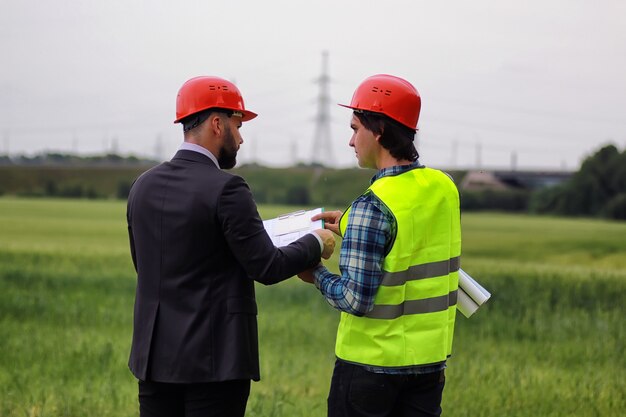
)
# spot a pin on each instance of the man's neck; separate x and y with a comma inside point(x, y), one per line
point(388, 161)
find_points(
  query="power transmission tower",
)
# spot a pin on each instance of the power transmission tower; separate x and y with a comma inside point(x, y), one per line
point(74, 143)
point(115, 149)
point(7, 141)
point(322, 149)
point(158, 148)
point(479, 153)
point(514, 161)
point(454, 153)
point(294, 152)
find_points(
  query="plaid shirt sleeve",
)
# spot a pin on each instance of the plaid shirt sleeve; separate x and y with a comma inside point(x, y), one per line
point(369, 232)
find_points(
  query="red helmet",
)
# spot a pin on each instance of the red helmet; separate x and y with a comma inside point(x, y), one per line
point(389, 95)
point(201, 93)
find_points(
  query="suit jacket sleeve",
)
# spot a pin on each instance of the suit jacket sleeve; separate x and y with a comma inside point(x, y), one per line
point(250, 244)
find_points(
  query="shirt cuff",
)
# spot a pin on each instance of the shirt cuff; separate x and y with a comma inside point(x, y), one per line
point(318, 274)
point(319, 239)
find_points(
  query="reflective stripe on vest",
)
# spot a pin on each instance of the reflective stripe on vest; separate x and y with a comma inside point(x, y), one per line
point(412, 320)
point(427, 305)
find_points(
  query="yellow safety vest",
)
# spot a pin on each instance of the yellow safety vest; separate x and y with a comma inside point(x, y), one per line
point(412, 322)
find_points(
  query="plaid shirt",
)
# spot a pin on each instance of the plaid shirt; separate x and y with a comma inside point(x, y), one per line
point(369, 236)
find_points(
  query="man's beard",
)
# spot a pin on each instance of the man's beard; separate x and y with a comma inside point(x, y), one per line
point(227, 157)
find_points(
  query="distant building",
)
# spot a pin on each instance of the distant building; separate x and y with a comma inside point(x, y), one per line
point(511, 180)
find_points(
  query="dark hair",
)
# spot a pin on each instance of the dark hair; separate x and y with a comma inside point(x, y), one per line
point(394, 136)
point(198, 118)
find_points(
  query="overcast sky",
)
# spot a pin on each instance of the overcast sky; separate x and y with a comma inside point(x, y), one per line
point(537, 84)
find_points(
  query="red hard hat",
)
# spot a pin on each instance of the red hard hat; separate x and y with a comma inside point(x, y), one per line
point(389, 95)
point(201, 93)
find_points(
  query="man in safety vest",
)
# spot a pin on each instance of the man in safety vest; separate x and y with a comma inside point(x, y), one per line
point(399, 265)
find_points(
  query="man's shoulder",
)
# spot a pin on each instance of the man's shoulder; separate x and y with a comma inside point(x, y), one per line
point(370, 205)
point(190, 172)
point(438, 173)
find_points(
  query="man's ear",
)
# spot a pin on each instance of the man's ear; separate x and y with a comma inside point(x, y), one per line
point(378, 136)
point(216, 124)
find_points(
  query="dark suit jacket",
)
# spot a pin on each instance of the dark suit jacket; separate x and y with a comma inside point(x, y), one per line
point(198, 244)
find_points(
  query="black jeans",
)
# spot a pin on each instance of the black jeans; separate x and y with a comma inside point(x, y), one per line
point(213, 399)
point(356, 392)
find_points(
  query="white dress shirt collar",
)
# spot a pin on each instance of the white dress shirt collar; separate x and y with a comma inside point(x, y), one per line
point(186, 146)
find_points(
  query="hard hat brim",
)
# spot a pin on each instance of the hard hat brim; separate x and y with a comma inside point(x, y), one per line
point(247, 115)
point(358, 108)
point(363, 110)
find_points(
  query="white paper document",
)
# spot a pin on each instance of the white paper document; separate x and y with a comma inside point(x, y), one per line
point(288, 227)
point(471, 294)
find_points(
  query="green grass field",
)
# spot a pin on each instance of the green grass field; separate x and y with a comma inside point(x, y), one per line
point(550, 342)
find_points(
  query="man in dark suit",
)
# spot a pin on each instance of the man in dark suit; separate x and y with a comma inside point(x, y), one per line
point(198, 244)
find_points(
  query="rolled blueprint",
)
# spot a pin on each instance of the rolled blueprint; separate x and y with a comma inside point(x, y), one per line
point(465, 304)
point(473, 288)
point(471, 294)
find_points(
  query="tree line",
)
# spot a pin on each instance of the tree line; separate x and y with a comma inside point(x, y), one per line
point(597, 189)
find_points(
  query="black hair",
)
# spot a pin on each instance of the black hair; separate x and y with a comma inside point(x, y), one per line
point(198, 118)
point(394, 136)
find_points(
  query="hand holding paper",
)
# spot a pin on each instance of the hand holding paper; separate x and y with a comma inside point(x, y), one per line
point(331, 220)
point(288, 227)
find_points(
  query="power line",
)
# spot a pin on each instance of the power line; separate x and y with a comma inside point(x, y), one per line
point(533, 112)
point(504, 129)
point(7, 141)
point(129, 125)
point(322, 151)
